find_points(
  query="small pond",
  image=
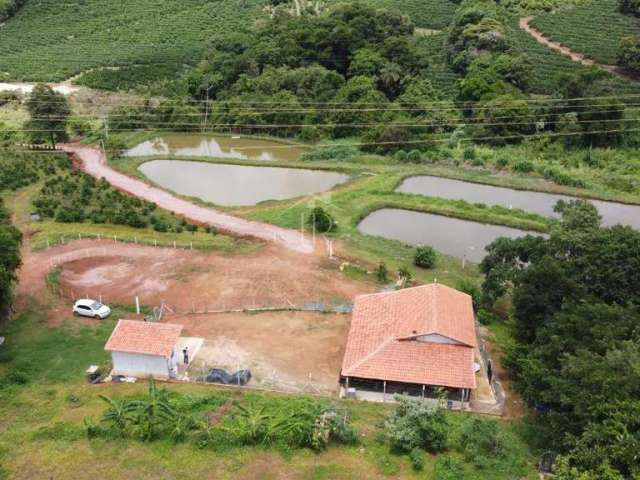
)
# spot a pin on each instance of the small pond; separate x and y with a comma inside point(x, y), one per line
point(240, 148)
point(447, 235)
point(535, 202)
point(238, 185)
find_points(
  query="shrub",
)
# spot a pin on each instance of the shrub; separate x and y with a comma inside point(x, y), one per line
point(562, 178)
point(334, 152)
point(502, 162)
point(417, 424)
point(448, 468)
point(321, 220)
point(523, 166)
point(382, 272)
point(485, 317)
point(417, 459)
point(405, 274)
point(400, 156)
point(425, 257)
point(470, 288)
point(469, 153)
point(481, 441)
point(414, 156)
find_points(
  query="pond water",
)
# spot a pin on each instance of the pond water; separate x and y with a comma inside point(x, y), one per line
point(243, 148)
point(535, 202)
point(445, 234)
point(238, 185)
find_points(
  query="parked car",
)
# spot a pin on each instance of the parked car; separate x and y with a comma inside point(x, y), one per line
point(91, 308)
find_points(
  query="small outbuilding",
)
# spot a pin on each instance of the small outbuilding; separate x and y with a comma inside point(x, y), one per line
point(142, 349)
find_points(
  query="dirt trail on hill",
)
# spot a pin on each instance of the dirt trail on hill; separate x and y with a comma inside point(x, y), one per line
point(94, 163)
point(567, 52)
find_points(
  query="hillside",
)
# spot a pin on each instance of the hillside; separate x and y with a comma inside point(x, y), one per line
point(50, 41)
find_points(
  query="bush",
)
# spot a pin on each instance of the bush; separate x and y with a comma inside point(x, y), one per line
point(562, 178)
point(335, 152)
point(481, 441)
point(382, 273)
point(417, 424)
point(469, 153)
point(470, 288)
point(321, 220)
point(414, 156)
point(448, 468)
point(417, 459)
point(425, 257)
point(400, 156)
point(523, 166)
point(485, 317)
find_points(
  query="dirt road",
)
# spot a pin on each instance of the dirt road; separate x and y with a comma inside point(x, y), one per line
point(94, 163)
point(525, 24)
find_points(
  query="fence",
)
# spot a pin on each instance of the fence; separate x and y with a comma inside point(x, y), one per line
point(55, 240)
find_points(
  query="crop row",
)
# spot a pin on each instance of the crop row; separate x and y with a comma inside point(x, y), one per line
point(594, 29)
point(52, 40)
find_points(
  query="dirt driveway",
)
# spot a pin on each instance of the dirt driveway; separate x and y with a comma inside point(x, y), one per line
point(94, 163)
point(291, 351)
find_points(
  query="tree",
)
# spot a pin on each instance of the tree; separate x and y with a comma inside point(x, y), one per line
point(321, 220)
point(424, 257)
point(49, 112)
point(10, 240)
point(630, 6)
point(629, 53)
point(417, 424)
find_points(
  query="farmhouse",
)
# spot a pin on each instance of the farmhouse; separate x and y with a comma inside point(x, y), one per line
point(142, 349)
point(411, 341)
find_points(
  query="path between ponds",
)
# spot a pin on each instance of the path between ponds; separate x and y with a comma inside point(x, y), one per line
point(94, 163)
point(525, 24)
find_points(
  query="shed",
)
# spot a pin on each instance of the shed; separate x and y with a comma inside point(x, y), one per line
point(143, 349)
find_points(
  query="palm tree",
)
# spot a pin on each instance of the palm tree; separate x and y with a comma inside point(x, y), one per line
point(152, 412)
point(389, 79)
point(118, 414)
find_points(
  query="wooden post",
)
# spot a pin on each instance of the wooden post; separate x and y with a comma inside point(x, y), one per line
point(384, 390)
point(137, 305)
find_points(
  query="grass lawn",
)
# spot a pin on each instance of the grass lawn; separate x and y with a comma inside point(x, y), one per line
point(44, 401)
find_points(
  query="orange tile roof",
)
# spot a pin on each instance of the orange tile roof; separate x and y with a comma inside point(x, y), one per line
point(144, 337)
point(382, 340)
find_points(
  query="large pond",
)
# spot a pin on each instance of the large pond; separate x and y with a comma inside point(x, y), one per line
point(536, 202)
point(240, 148)
point(238, 185)
point(447, 235)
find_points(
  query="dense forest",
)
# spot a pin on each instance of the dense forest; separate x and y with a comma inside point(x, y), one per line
point(577, 352)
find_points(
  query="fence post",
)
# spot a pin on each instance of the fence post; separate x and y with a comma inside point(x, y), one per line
point(191, 245)
point(137, 305)
point(135, 239)
point(174, 244)
point(79, 236)
point(115, 239)
point(155, 242)
point(47, 242)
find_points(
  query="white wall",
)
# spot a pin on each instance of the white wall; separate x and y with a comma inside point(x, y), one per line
point(139, 365)
point(435, 338)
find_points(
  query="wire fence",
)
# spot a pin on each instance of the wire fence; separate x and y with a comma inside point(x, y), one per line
point(60, 239)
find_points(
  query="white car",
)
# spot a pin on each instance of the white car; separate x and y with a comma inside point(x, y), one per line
point(91, 308)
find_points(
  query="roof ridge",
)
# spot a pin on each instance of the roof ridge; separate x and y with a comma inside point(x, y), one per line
point(371, 354)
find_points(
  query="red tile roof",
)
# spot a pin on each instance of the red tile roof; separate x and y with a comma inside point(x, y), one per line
point(144, 337)
point(383, 344)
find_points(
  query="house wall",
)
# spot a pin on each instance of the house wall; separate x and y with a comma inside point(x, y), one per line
point(139, 365)
point(435, 338)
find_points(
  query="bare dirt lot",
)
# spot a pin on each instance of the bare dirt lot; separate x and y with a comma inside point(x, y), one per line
point(293, 351)
point(285, 350)
point(188, 280)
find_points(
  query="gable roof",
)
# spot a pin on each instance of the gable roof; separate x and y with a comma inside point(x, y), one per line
point(382, 342)
point(146, 338)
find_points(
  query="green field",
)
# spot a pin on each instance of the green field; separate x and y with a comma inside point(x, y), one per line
point(594, 29)
point(50, 41)
point(548, 64)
